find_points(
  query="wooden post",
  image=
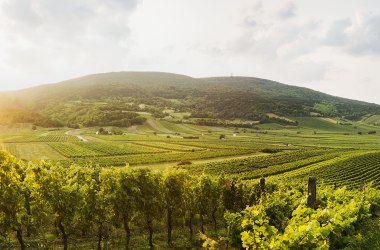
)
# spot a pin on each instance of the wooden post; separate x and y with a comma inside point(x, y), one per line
point(312, 193)
point(262, 185)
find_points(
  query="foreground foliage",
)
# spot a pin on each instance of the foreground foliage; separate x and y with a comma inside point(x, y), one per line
point(78, 202)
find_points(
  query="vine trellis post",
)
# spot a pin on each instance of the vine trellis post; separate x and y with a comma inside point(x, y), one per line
point(312, 192)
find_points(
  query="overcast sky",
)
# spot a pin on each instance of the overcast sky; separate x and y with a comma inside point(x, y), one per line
point(331, 46)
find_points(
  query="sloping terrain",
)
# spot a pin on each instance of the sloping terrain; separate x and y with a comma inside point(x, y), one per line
point(92, 99)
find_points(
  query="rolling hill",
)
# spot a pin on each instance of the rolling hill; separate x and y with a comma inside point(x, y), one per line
point(95, 97)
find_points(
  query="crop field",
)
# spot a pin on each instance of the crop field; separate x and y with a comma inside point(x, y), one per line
point(37, 138)
point(337, 154)
point(118, 148)
point(32, 151)
point(71, 150)
point(172, 146)
point(265, 165)
point(158, 157)
point(352, 172)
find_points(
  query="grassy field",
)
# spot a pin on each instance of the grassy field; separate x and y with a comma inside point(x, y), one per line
point(333, 151)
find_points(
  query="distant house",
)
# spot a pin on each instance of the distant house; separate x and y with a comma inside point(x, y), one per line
point(103, 131)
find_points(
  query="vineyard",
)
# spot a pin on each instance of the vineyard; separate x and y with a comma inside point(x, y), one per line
point(72, 150)
point(34, 137)
point(118, 148)
point(47, 206)
point(336, 158)
point(172, 146)
point(158, 157)
point(151, 186)
point(258, 162)
point(352, 172)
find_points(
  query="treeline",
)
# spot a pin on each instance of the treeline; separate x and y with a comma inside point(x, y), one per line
point(118, 111)
point(219, 123)
point(115, 118)
point(91, 113)
point(90, 201)
point(225, 123)
point(232, 104)
point(13, 116)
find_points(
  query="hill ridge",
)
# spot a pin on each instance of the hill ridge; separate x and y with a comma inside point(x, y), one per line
point(226, 98)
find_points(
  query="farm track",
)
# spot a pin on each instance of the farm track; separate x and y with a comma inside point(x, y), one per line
point(74, 133)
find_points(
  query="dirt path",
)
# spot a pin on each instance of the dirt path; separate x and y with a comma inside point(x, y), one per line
point(76, 133)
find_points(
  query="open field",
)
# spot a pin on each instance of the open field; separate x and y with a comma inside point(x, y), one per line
point(336, 153)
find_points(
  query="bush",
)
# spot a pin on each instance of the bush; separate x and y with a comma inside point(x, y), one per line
point(270, 150)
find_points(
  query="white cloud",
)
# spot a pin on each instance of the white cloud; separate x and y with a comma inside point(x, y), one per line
point(359, 35)
point(317, 44)
point(364, 34)
point(287, 10)
point(50, 40)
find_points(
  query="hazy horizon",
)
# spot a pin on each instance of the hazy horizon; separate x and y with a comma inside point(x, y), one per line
point(332, 47)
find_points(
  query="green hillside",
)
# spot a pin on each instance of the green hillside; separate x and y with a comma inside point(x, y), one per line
point(93, 99)
point(372, 120)
point(287, 99)
point(115, 84)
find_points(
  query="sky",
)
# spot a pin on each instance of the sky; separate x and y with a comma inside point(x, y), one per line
point(330, 46)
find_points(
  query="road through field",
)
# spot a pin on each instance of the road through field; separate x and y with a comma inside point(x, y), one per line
point(76, 133)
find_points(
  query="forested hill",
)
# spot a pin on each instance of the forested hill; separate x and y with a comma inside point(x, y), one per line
point(218, 97)
point(288, 100)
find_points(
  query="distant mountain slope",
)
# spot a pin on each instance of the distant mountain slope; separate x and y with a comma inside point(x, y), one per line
point(217, 97)
point(266, 87)
point(105, 85)
point(292, 100)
